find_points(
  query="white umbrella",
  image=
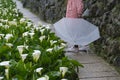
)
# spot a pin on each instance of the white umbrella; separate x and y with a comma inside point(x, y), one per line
point(76, 31)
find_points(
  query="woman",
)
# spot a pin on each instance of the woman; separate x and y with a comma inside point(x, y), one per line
point(74, 10)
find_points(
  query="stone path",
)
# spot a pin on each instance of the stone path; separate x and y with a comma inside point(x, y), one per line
point(28, 14)
point(95, 68)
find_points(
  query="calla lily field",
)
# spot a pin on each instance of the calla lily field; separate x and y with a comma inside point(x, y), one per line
point(30, 52)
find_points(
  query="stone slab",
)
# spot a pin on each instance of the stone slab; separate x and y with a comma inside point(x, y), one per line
point(95, 67)
point(84, 58)
point(98, 74)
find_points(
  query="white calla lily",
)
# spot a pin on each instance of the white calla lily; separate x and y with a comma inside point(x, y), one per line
point(49, 50)
point(5, 63)
point(36, 27)
point(23, 56)
point(43, 25)
point(1, 24)
point(52, 42)
point(47, 77)
point(25, 34)
point(38, 70)
point(63, 70)
point(4, 21)
point(60, 47)
point(31, 34)
point(64, 79)
point(22, 20)
point(44, 78)
point(8, 36)
point(41, 38)
point(14, 19)
point(1, 78)
point(29, 24)
point(48, 26)
point(42, 31)
point(36, 55)
point(6, 26)
point(9, 44)
point(12, 23)
point(56, 48)
point(63, 44)
point(20, 48)
point(2, 35)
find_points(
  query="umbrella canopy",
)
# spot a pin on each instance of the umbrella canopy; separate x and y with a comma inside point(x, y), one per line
point(76, 31)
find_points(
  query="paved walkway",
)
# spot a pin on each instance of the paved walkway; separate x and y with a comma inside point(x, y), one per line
point(27, 14)
point(95, 68)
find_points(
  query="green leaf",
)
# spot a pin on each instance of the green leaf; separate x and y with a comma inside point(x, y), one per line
point(76, 63)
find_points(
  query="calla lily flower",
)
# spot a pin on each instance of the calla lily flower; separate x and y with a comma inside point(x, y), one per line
point(8, 36)
point(49, 50)
point(42, 31)
point(43, 25)
point(29, 24)
point(64, 79)
point(22, 20)
point(31, 34)
point(9, 44)
point(63, 70)
point(5, 63)
point(25, 34)
point(41, 38)
point(6, 27)
point(12, 23)
point(24, 56)
point(63, 44)
point(38, 70)
point(56, 48)
point(47, 77)
point(52, 42)
point(60, 47)
point(4, 21)
point(48, 26)
point(1, 24)
point(36, 27)
point(20, 48)
point(36, 55)
point(1, 78)
point(2, 35)
point(44, 78)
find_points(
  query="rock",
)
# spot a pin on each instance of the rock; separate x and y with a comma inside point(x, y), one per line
point(48, 10)
point(106, 15)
